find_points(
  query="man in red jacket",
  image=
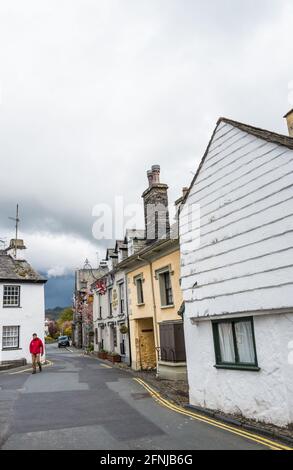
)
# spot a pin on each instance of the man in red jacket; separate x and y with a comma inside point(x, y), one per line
point(36, 349)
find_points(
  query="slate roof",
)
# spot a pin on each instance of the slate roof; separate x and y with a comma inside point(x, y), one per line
point(17, 270)
point(269, 136)
point(133, 233)
point(261, 133)
point(120, 245)
point(156, 246)
point(111, 253)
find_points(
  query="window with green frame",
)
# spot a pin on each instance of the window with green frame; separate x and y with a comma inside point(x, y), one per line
point(234, 342)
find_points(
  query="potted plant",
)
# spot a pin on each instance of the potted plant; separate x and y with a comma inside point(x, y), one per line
point(113, 357)
point(102, 354)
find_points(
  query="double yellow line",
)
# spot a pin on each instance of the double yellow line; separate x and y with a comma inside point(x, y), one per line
point(218, 424)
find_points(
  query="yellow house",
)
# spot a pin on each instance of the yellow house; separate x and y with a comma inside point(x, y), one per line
point(154, 300)
point(154, 297)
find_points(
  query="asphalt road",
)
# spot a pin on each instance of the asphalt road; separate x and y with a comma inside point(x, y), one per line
point(79, 403)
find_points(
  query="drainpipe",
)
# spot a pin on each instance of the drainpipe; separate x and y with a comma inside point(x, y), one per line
point(128, 322)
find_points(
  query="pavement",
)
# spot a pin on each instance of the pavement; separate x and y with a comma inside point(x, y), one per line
point(79, 402)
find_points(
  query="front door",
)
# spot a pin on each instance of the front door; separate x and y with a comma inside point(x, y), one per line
point(147, 349)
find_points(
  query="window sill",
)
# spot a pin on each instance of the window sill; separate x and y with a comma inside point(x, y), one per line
point(164, 307)
point(11, 306)
point(140, 305)
point(237, 367)
point(11, 349)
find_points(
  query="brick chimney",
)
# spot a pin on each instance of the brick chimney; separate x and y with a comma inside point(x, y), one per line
point(289, 117)
point(156, 213)
point(179, 201)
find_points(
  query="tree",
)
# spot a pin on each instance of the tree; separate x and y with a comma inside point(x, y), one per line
point(66, 315)
point(64, 322)
point(52, 328)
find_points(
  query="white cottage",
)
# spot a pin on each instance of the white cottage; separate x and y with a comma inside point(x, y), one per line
point(22, 308)
point(236, 238)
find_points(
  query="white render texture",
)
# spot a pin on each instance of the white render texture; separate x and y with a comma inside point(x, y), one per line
point(106, 333)
point(30, 316)
point(237, 259)
point(267, 395)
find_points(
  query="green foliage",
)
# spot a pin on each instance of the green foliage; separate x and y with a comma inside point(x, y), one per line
point(90, 348)
point(66, 315)
point(49, 339)
point(64, 322)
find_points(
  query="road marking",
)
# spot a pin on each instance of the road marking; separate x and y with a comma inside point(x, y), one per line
point(69, 350)
point(48, 363)
point(248, 435)
point(106, 366)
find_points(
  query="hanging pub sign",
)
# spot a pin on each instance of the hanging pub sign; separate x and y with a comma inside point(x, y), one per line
point(101, 287)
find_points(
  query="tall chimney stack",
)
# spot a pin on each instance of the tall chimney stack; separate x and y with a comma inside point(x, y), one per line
point(156, 212)
point(289, 117)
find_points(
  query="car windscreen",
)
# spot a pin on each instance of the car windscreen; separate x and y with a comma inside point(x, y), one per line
point(62, 338)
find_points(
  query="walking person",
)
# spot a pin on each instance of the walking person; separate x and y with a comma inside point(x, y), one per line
point(36, 350)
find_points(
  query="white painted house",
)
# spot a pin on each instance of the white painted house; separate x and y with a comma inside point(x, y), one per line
point(110, 313)
point(237, 274)
point(22, 309)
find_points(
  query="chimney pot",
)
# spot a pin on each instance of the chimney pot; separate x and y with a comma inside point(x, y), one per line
point(156, 169)
point(150, 177)
point(289, 117)
point(184, 191)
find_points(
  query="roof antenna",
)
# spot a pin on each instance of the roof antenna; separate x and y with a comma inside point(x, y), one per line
point(16, 220)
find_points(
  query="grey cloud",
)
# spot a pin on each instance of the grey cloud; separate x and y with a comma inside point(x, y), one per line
point(94, 93)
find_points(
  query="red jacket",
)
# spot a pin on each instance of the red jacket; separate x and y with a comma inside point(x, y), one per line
point(36, 346)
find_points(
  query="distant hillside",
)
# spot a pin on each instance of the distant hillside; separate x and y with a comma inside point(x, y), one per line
point(59, 291)
point(53, 313)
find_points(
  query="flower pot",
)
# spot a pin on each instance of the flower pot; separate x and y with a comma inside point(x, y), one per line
point(102, 355)
point(116, 358)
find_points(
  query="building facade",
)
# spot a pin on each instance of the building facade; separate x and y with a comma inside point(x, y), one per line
point(237, 274)
point(155, 298)
point(22, 308)
point(110, 313)
point(82, 324)
point(153, 289)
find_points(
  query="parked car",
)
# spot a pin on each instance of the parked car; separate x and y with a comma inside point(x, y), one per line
point(63, 341)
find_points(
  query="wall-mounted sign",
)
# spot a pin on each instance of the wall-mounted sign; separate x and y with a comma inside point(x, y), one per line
point(115, 299)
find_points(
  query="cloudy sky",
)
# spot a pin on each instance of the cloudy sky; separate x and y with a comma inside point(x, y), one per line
point(93, 92)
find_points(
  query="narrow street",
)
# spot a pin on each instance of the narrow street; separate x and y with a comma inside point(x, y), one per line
point(80, 403)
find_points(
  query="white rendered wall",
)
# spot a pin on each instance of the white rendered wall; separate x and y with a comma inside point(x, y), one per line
point(237, 259)
point(30, 316)
point(106, 332)
point(266, 395)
